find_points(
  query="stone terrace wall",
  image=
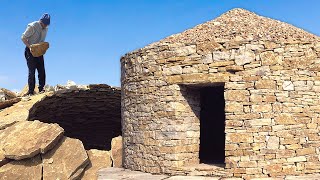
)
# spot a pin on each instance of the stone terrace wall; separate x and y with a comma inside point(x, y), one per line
point(91, 115)
point(272, 106)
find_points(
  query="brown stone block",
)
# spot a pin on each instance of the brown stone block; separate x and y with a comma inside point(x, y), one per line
point(161, 61)
point(313, 158)
point(285, 153)
point(265, 84)
point(270, 98)
point(276, 68)
point(190, 78)
point(293, 146)
point(259, 138)
point(285, 119)
point(233, 107)
point(234, 153)
point(297, 159)
point(256, 98)
point(306, 151)
point(247, 164)
point(248, 152)
point(269, 58)
point(206, 47)
point(272, 168)
point(270, 156)
point(290, 169)
point(237, 95)
point(262, 108)
point(271, 45)
point(251, 78)
point(258, 122)
point(244, 116)
point(296, 62)
point(239, 137)
point(229, 147)
point(221, 63)
point(174, 79)
point(234, 68)
point(220, 77)
point(291, 141)
point(312, 165)
point(253, 170)
point(239, 170)
point(234, 123)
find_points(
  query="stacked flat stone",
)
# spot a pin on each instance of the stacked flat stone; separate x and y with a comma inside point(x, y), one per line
point(91, 115)
point(270, 72)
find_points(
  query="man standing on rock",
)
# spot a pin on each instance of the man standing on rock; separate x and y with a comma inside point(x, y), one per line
point(35, 33)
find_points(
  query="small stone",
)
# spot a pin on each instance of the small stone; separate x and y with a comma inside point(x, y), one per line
point(273, 142)
point(288, 86)
point(244, 58)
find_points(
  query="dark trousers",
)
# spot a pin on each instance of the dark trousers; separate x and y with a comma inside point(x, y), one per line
point(35, 63)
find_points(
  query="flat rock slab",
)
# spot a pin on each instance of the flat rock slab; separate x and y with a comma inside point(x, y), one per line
point(26, 139)
point(192, 178)
point(309, 177)
point(9, 103)
point(116, 151)
point(123, 174)
point(67, 160)
point(98, 160)
point(23, 169)
point(6, 122)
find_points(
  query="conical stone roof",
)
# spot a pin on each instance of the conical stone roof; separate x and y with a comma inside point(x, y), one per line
point(239, 24)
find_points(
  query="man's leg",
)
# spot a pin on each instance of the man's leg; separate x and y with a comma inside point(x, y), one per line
point(41, 73)
point(32, 69)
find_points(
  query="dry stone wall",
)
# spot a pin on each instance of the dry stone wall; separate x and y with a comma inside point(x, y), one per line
point(91, 115)
point(272, 105)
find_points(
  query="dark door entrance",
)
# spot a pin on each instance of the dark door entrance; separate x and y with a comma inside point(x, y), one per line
point(212, 125)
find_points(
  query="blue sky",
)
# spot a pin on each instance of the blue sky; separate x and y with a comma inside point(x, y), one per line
point(87, 38)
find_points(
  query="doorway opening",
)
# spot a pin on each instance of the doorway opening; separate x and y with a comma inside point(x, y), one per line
point(212, 125)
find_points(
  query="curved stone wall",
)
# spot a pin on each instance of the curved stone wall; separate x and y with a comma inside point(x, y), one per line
point(271, 105)
point(91, 115)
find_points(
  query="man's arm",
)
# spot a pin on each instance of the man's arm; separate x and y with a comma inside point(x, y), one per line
point(28, 33)
point(25, 41)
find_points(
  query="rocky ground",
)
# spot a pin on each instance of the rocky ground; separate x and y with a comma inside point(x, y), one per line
point(37, 150)
point(123, 174)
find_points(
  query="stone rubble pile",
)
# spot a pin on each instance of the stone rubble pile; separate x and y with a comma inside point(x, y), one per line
point(38, 150)
point(240, 24)
point(71, 85)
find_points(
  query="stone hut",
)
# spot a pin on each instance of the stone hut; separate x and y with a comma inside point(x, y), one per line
point(235, 96)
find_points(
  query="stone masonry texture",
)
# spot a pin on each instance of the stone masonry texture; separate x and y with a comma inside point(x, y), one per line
point(271, 79)
point(91, 115)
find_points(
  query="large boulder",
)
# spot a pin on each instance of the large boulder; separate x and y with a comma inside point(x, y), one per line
point(116, 151)
point(98, 160)
point(67, 160)
point(23, 169)
point(26, 139)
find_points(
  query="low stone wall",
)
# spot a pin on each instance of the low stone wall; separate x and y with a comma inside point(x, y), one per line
point(91, 115)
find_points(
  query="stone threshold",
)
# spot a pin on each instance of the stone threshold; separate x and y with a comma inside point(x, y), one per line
point(125, 174)
point(204, 169)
